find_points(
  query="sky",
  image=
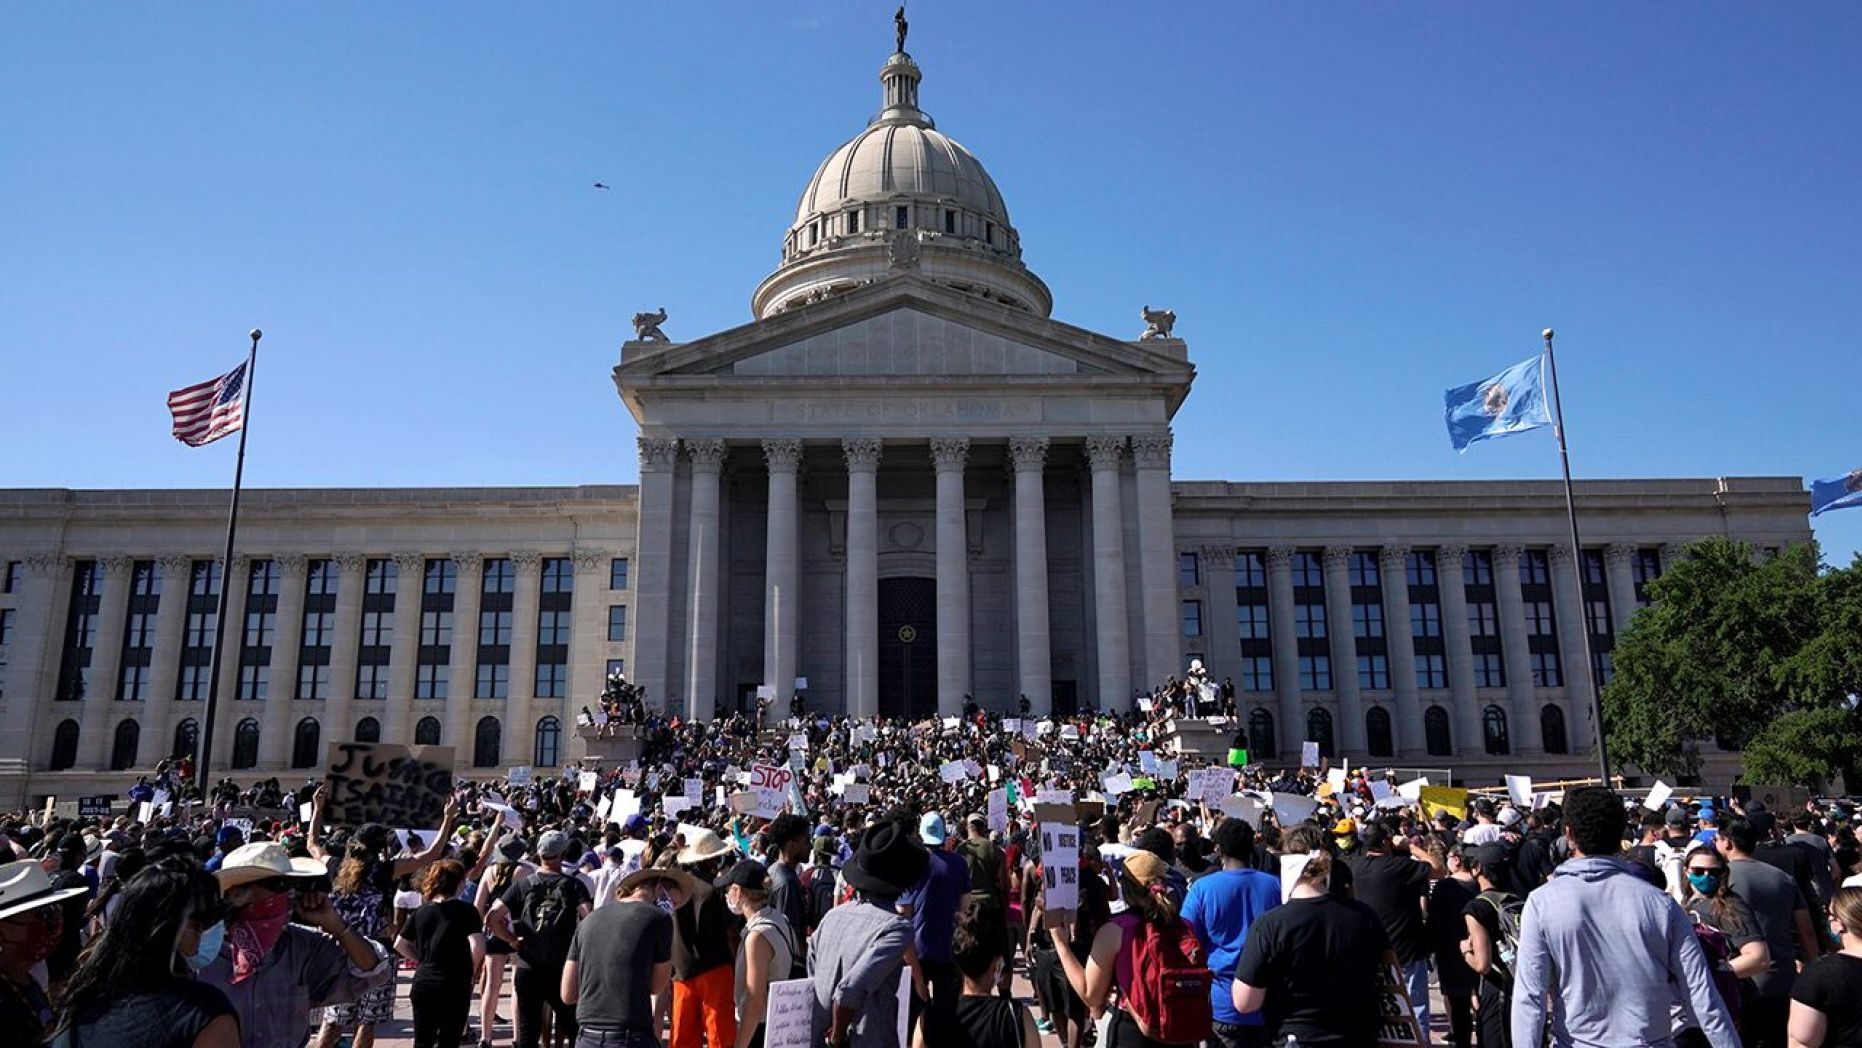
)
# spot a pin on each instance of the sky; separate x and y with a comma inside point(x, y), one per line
point(1350, 206)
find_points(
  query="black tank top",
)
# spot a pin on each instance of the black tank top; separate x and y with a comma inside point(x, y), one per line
point(979, 1022)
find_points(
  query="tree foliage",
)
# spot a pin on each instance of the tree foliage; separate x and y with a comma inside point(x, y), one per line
point(1729, 644)
point(1805, 747)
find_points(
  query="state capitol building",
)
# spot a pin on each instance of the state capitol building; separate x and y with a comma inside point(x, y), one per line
point(902, 482)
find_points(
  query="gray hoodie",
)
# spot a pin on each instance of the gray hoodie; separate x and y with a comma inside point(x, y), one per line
point(1608, 953)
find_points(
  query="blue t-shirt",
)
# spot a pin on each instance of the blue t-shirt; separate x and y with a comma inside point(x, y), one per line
point(1221, 908)
point(934, 904)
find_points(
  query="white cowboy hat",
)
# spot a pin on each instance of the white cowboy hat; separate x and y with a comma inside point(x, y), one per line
point(262, 861)
point(701, 845)
point(682, 883)
point(24, 886)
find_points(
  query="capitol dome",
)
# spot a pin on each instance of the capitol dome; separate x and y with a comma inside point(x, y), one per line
point(901, 178)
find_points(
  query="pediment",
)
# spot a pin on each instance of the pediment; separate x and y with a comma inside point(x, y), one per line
point(901, 330)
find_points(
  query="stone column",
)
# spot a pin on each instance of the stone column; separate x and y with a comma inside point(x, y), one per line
point(1344, 645)
point(1619, 572)
point(1523, 715)
point(462, 661)
point(404, 647)
point(782, 551)
point(1286, 648)
point(588, 640)
point(703, 577)
point(1033, 642)
point(948, 455)
point(862, 673)
point(1221, 638)
point(287, 636)
point(33, 667)
point(106, 663)
point(1568, 598)
point(1113, 635)
point(652, 606)
point(1465, 708)
point(165, 661)
point(351, 573)
point(520, 721)
point(1406, 719)
point(1157, 558)
point(230, 711)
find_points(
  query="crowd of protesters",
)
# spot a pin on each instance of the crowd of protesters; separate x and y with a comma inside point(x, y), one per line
point(1582, 919)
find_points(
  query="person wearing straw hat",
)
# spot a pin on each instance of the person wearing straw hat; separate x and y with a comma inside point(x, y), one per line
point(704, 951)
point(287, 949)
point(621, 960)
point(31, 924)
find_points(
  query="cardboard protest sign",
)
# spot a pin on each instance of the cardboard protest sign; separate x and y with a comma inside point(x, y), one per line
point(1166, 771)
point(95, 807)
point(388, 783)
point(1383, 796)
point(857, 793)
point(518, 776)
point(952, 772)
point(1060, 864)
point(1412, 790)
point(998, 813)
point(1053, 796)
point(1396, 1019)
point(1336, 779)
point(1290, 809)
point(1243, 807)
point(587, 781)
point(770, 777)
point(787, 1022)
point(1147, 761)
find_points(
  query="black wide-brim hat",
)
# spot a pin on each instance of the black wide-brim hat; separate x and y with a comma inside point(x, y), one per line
point(890, 861)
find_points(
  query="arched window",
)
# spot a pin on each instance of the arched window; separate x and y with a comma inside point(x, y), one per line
point(246, 744)
point(1435, 732)
point(187, 738)
point(368, 729)
point(1552, 727)
point(304, 742)
point(486, 741)
point(427, 732)
point(1261, 735)
point(1493, 726)
point(549, 743)
point(65, 745)
point(123, 750)
point(1319, 730)
point(1377, 732)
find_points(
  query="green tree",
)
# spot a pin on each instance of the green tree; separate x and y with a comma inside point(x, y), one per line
point(1708, 658)
point(1804, 747)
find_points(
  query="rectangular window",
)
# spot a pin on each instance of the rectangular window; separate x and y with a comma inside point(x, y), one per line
point(617, 623)
point(989, 233)
point(1307, 571)
point(380, 581)
point(901, 217)
point(1309, 621)
point(1489, 670)
point(1420, 569)
point(1251, 622)
point(492, 673)
point(430, 680)
point(1483, 619)
point(553, 624)
point(1546, 672)
point(552, 628)
point(1373, 672)
point(853, 222)
point(617, 573)
point(432, 662)
point(254, 682)
point(436, 628)
point(552, 680)
point(1188, 573)
point(145, 593)
point(615, 666)
point(950, 222)
point(74, 669)
point(318, 629)
point(1477, 567)
point(1425, 620)
point(1605, 667)
point(1534, 568)
point(494, 627)
point(313, 680)
point(1646, 568)
point(1363, 570)
point(9, 577)
point(1315, 673)
point(1192, 615)
point(494, 681)
point(1539, 622)
point(1431, 671)
point(6, 626)
point(1250, 571)
point(1257, 673)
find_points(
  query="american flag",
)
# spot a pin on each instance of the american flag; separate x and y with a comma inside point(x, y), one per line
point(211, 410)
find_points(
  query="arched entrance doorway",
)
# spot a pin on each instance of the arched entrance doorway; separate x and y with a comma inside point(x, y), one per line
point(907, 647)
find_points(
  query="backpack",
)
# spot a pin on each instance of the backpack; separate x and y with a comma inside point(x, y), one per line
point(1508, 911)
point(1169, 993)
point(818, 881)
point(549, 913)
point(1718, 946)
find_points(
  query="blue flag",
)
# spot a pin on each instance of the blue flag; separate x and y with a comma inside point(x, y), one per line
point(1511, 402)
point(1842, 492)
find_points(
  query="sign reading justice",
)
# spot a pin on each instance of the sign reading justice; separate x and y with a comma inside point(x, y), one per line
point(386, 782)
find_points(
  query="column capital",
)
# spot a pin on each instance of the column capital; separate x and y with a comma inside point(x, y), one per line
point(242, 564)
point(589, 558)
point(410, 564)
point(116, 566)
point(1447, 554)
point(1338, 558)
point(1393, 558)
point(1619, 554)
point(706, 453)
point(1029, 454)
point(1151, 450)
point(467, 560)
point(528, 562)
point(1105, 452)
point(349, 562)
point(177, 564)
point(1224, 555)
point(1560, 554)
point(1507, 555)
point(46, 562)
point(862, 453)
point(1280, 558)
point(657, 454)
point(782, 454)
point(291, 565)
point(949, 454)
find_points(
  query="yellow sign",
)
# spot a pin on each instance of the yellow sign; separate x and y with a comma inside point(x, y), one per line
point(1450, 799)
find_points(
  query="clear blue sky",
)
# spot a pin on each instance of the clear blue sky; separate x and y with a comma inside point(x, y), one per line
point(1350, 206)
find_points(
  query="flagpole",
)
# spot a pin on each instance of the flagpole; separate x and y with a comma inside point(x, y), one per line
point(226, 577)
point(1577, 553)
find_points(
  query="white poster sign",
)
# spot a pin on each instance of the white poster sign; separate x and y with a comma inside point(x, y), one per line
point(1291, 809)
point(1060, 865)
point(1519, 787)
point(1658, 795)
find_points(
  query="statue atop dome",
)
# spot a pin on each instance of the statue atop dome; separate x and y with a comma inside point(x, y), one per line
point(901, 27)
point(1157, 323)
point(646, 326)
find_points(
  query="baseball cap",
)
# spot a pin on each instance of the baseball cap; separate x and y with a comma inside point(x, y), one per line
point(1344, 827)
point(749, 874)
point(1676, 817)
point(1509, 816)
point(1707, 814)
point(931, 828)
point(552, 844)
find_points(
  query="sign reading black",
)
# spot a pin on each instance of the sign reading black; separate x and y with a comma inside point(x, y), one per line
point(95, 807)
point(405, 787)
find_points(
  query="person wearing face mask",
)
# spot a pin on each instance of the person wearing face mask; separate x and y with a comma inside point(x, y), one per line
point(287, 951)
point(31, 924)
point(621, 959)
point(127, 993)
point(768, 952)
point(1733, 942)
